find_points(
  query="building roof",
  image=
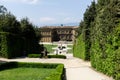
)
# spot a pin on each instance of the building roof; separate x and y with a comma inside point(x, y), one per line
point(56, 27)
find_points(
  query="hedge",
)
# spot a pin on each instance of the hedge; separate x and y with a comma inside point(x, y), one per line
point(107, 61)
point(14, 45)
point(57, 56)
point(11, 45)
point(48, 56)
point(79, 48)
point(34, 55)
point(57, 75)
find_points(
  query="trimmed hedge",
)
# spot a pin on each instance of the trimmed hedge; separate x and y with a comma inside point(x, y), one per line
point(79, 48)
point(48, 56)
point(11, 45)
point(107, 61)
point(34, 55)
point(58, 75)
point(9, 65)
point(57, 56)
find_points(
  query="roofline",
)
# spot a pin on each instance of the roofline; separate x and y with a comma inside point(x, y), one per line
point(52, 27)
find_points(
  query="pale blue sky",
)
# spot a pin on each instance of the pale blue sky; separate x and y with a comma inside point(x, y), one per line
point(48, 12)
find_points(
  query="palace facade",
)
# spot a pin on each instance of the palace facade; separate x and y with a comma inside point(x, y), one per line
point(58, 33)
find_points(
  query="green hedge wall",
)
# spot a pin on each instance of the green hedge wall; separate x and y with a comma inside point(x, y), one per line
point(107, 61)
point(48, 56)
point(116, 48)
point(57, 56)
point(3, 45)
point(10, 45)
point(58, 75)
point(101, 37)
point(9, 65)
point(34, 55)
point(79, 48)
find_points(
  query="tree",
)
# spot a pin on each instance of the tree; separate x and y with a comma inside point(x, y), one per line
point(55, 36)
point(31, 39)
point(27, 29)
point(2, 9)
point(89, 18)
point(80, 29)
point(38, 35)
point(8, 23)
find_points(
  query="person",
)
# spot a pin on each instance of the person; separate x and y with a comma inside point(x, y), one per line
point(44, 52)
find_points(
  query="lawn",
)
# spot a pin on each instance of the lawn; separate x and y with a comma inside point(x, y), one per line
point(71, 50)
point(25, 74)
point(31, 71)
point(50, 50)
point(49, 47)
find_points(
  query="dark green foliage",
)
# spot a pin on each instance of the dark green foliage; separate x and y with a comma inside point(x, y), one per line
point(105, 43)
point(57, 75)
point(11, 45)
point(57, 56)
point(10, 34)
point(3, 45)
point(17, 38)
point(116, 47)
point(101, 36)
point(8, 23)
point(9, 65)
point(55, 36)
point(29, 35)
point(85, 32)
point(80, 28)
point(34, 55)
point(2, 9)
point(48, 56)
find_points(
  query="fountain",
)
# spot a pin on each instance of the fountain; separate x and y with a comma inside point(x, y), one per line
point(61, 49)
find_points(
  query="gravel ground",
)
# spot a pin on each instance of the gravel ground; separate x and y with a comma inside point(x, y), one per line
point(76, 69)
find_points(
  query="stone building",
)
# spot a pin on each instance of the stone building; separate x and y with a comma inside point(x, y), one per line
point(58, 33)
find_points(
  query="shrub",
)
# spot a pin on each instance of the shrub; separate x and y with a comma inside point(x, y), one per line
point(11, 45)
point(49, 47)
point(107, 60)
point(9, 65)
point(34, 55)
point(48, 56)
point(57, 75)
point(57, 56)
point(79, 48)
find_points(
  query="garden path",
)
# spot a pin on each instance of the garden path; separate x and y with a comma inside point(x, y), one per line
point(76, 69)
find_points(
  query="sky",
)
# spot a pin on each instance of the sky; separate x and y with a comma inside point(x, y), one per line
point(48, 12)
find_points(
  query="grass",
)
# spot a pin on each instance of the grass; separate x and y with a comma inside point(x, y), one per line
point(49, 47)
point(31, 71)
point(71, 50)
point(50, 50)
point(25, 74)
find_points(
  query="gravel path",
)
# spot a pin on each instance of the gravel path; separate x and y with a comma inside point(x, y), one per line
point(76, 69)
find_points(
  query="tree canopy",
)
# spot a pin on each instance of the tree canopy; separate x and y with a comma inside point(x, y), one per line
point(23, 33)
